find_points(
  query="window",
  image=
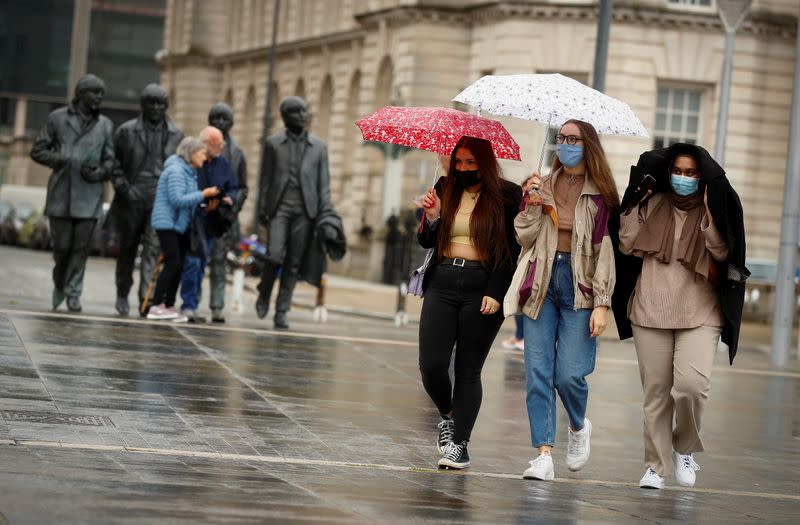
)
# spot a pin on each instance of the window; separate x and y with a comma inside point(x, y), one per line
point(8, 108)
point(697, 3)
point(677, 116)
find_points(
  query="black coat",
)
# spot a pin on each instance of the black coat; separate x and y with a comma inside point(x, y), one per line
point(66, 146)
point(327, 240)
point(499, 278)
point(726, 210)
point(314, 178)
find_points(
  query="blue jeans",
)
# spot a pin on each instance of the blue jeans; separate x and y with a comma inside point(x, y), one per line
point(559, 354)
point(194, 269)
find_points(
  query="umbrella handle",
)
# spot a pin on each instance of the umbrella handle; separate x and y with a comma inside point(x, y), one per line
point(544, 143)
point(435, 173)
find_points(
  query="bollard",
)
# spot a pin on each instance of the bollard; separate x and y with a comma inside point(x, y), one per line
point(320, 314)
point(401, 317)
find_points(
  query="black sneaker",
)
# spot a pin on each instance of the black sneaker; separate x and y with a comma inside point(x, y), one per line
point(455, 456)
point(446, 429)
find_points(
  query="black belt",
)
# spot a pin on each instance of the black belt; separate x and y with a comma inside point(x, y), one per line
point(462, 263)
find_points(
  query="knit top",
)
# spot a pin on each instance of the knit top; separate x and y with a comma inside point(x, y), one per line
point(669, 295)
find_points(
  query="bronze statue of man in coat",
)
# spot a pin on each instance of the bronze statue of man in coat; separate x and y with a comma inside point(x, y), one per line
point(77, 143)
point(141, 146)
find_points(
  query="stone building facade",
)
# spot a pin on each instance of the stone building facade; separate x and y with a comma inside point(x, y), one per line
point(349, 57)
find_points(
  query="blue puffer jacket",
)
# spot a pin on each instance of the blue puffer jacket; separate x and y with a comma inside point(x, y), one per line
point(176, 196)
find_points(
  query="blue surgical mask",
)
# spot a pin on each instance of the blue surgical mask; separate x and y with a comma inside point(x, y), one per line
point(684, 186)
point(569, 155)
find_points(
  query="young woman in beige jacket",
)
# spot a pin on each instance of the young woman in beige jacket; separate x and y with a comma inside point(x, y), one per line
point(563, 284)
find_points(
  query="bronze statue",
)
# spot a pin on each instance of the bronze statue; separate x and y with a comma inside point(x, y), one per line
point(77, 143)
point(221, 117)
point(295, 190)
point(141, 145)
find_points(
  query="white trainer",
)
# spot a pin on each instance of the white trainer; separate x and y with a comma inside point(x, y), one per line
point(578, 446)
point(540, 468)
point(685, 467)
point(651, 480)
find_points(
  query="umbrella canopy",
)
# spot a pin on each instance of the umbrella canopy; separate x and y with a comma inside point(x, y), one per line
point(435, 129)
point(552, 99)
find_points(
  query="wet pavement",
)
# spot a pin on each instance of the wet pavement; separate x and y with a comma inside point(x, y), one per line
point(106, 420)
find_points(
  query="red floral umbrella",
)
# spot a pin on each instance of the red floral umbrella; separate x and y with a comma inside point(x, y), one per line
point(435, 129)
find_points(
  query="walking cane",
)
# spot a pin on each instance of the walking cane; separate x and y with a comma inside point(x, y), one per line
point(147, 295)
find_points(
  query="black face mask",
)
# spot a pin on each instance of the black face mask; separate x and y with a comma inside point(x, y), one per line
point(465, 179)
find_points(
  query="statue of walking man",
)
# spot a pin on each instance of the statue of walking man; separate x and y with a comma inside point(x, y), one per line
point(77, 143)
point(295, 190)
point(141, 145)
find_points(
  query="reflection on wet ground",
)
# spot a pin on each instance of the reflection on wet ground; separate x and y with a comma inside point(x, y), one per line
point(241, 425)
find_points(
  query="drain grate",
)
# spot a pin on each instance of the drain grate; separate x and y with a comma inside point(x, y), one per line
point(55, 418)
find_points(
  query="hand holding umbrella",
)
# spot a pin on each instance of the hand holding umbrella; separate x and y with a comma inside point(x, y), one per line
point(432, 205)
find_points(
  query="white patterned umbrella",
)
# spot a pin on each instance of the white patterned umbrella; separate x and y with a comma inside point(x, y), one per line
point(552, 99)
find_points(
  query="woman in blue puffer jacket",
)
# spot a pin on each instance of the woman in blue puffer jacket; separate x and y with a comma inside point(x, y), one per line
point(177, 197)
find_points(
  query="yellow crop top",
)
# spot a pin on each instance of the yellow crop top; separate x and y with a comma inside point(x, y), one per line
point(460, 233)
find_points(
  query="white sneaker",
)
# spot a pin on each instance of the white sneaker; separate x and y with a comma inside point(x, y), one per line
point(510, 343)
point(685, 467)
point(161, 312)
point(578, 447)
point(541, 468)
point(651, 480)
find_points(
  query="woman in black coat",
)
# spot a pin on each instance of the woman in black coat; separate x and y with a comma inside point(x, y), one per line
point(679, 289)
point(726, 210)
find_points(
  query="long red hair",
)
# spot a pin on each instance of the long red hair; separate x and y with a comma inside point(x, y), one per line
point(486, 225)
point(596, 163)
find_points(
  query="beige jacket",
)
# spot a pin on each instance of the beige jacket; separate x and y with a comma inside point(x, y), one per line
point(593, 271)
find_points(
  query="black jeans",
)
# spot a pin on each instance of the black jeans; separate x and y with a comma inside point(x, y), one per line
point(451, 314)
point(174, 246)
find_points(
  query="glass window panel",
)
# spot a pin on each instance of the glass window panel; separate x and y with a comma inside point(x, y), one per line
point(694, 101)
point(677, 98)
point(691, 125)
point(675, 122)
point(661, 120)
point(663, 95)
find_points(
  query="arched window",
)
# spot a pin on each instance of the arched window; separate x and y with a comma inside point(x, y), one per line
point(352, 137)
point(323, 117)
point(300, 88)
point(253, 126)
point(384, 83)
point(275, 122)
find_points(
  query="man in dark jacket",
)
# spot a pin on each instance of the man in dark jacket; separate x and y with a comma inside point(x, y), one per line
point(295, 189)
point(141, 145)
point(77, 143)
point(215, 172)
point(726, 210)
point(221, 117)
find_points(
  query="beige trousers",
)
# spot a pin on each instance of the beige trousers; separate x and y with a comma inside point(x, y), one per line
point(675, 368)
